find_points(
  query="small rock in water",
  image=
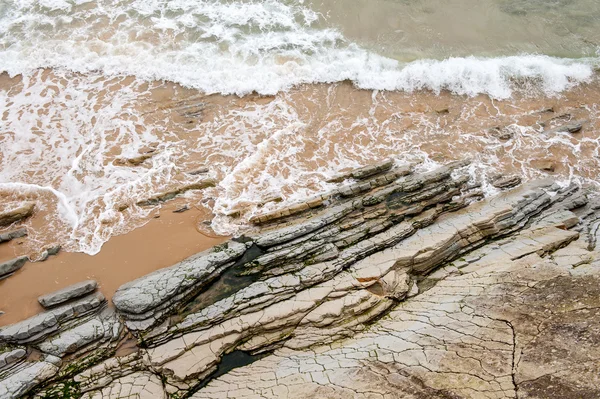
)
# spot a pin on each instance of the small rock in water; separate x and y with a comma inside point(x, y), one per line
point(11, 266)
point(562, 117)
point(569, 128)
point(503, 133)
point(198, 171)
point(545, 110)
point(10, 216)
point(544, 164)
point(50, 251)
point(73, 291)
point(135, 161)
point(11, 235)
point(182, 209)
point(167, 195)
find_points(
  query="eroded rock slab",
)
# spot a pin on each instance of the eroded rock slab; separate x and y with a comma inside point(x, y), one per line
point(10, 266)
point(44, 324)
point(73, 291)
point(22, 379)
point(148, 298)
point(11, 215)
point(11, 235)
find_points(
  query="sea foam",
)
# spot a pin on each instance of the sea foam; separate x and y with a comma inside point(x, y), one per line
point(63, 130)
point(243, 47)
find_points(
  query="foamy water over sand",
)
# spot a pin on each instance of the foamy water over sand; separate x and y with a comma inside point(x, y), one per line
point(107, 104)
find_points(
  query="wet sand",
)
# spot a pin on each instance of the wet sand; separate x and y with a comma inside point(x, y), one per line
point(162, 242)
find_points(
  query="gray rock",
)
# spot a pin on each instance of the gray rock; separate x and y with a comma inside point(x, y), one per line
point(12, 356)
point(365, 171)
point(157, 290)
point(42, 325)
point(568, 128)
point(11, 235)
point(504, 133)
point(11, 266)
point(73, 291)
point(295, 230)
point(167, 195)
point(105, 326)
point(199, 171)
point(25, 378)
point(12, 215)
point(49, 252)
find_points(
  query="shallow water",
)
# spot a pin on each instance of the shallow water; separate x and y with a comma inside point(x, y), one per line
point(275, 97)
point(408, 30)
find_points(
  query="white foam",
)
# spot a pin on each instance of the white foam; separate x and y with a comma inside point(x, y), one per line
point(59, 137)
point(242, 47)
point(58, 134)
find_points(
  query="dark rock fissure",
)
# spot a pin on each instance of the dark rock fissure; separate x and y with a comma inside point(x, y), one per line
point(229, 362)
point(227, 283)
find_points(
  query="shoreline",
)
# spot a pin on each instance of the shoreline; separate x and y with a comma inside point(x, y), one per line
point(249, 164)
point(160, 243)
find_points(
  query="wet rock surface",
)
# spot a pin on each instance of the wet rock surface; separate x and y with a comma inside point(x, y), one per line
point(399, 284)
point(11, 235)
point(73, 291)
point(16, 213)
point(8, 267)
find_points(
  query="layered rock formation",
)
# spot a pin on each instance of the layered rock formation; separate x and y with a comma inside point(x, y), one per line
point(396, 285)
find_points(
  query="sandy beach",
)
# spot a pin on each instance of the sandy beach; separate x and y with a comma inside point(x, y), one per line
point(161, 242)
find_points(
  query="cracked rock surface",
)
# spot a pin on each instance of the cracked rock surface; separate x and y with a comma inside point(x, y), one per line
point(396, 285)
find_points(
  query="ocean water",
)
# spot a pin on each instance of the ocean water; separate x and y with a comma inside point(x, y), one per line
point(276, 96)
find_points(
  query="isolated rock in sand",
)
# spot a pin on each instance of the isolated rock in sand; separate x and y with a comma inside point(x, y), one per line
point(73, 291)
point(11, 235)
point(10, 266)
point(393, 289)
point(15, 214)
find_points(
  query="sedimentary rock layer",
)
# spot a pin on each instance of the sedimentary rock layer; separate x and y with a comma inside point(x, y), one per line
point(397, 285)
point(73, 291)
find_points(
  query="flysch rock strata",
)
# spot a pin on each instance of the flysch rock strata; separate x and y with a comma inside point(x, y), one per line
point(411, 288)
point(73, 291)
